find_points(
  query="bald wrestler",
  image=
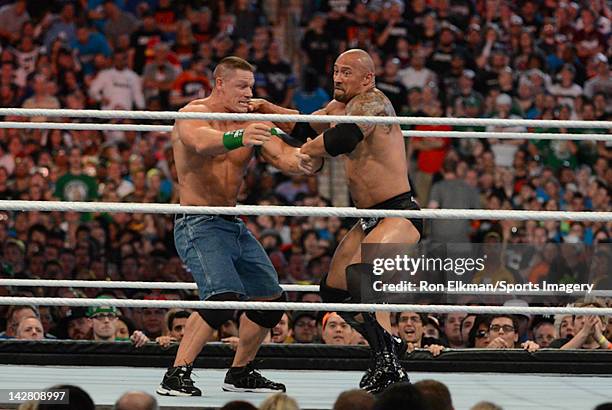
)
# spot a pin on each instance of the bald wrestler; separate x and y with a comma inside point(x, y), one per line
point(375, 164)
point(225, 259)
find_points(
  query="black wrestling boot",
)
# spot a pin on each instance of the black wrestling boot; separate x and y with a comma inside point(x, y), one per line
point(387, 369)
point(177, 382)
point(248, 379)
point(367, 378)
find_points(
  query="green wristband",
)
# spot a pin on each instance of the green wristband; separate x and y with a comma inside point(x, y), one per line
point(233, 139)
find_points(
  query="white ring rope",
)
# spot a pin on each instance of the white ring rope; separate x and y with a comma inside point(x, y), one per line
point(336, 307)
point(344, 212)
point(76, 126)
point(508, 135)
point(173, 115)
point(108, 284)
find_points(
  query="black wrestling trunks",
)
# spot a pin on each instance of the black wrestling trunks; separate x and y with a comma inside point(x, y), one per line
point(403, 201)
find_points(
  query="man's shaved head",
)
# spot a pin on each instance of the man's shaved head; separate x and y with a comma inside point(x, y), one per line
point(357, 58)
point(353, 74)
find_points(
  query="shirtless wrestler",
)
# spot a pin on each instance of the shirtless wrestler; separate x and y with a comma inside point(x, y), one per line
point(377, 171)
point(225, 259)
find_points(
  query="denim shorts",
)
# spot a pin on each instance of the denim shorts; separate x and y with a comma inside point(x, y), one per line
point(224, 257)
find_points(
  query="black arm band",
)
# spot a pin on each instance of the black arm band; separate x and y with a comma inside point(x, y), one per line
point(342, 139)
point(302, 131)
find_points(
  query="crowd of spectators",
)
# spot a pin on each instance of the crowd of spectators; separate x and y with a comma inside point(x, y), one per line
point(456, 58)
point(435, 333)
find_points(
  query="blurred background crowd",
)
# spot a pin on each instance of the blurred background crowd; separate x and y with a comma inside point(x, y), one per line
point(533, 59)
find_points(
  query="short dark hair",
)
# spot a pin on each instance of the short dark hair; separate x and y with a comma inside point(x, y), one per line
point(79, 399)
point(307, 233)
point(541, 323)
point(37, 228)
point(238, 405)
point(128, 322)
point(355, 399)
point(179, 314)
point(400, 396)
point(514, 319)
point(450, 165)
point(232, 63)
point(83, 228)
point(422, 316)
point(435, 394)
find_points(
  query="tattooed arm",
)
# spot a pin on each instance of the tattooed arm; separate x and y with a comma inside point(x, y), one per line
point(372, 103)
point(343, 138)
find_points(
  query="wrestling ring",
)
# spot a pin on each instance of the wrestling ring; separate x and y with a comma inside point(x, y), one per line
point(314, 374)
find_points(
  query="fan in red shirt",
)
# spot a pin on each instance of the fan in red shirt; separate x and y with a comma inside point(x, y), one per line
point(430, 156)
point(190, 84)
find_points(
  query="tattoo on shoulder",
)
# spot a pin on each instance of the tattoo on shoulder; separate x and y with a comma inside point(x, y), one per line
point(371, 103)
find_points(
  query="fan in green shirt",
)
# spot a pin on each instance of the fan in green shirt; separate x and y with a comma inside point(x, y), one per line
point(70, 187)
point(75, 185)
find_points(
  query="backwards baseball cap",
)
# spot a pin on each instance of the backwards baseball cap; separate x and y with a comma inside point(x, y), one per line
point(326, 317)
point(300, 314)
point(94, 310)
point(61, 330)
point(76, 313)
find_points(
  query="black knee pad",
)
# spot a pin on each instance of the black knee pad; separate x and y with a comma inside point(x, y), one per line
point(332, 295)
point(359, 283)
point(216, 317)
point(267, 318)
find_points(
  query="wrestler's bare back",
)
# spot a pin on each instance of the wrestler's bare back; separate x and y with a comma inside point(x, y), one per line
point(377, 169)
point(204, 179)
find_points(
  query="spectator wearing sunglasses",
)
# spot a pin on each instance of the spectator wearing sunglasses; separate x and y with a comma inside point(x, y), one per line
point(478, 336)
